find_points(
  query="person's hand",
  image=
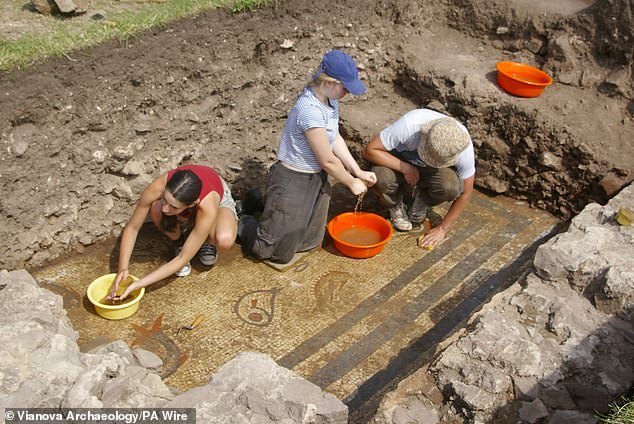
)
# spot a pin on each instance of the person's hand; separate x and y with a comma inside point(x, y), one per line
point(132, 287)
point(368, 177)
point(411, 175)
point(431, 239)
point(121, 276)
point(358, 187)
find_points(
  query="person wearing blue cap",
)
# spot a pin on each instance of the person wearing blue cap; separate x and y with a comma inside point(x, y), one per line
point(310, 149)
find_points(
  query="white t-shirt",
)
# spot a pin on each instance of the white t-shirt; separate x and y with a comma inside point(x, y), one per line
point(308, 112)
point(403, 136)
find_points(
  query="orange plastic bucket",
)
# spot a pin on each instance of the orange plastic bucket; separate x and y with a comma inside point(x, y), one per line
point(522, 80)
point(373, 224)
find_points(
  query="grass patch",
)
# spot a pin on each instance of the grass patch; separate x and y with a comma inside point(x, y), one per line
point(620, 413)
point(62, 36)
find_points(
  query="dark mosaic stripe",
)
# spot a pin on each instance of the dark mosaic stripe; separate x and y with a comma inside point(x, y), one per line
point(365, 308)
point(357, 353)
point(365, 400)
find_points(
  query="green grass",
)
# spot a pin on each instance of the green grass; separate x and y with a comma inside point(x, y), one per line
point(620, 413)
point(65, 35)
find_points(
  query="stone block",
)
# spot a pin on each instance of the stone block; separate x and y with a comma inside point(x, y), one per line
point(253, 388)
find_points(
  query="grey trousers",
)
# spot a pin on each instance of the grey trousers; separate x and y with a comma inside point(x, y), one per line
point(294, 217)
point(436, 185)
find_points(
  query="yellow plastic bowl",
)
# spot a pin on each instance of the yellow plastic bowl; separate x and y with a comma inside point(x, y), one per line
point(100, 288)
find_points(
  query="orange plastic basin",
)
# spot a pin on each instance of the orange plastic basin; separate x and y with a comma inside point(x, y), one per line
point(522, 80)
point(372, 224)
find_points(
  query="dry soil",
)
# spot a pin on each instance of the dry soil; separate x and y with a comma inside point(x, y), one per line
point(82, 135)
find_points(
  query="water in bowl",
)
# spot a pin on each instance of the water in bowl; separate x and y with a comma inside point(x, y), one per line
point(116, 301)
point(359, 236)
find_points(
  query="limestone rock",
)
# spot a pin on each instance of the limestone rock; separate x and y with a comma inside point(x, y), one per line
point(416, 400)
point(137, 388)
point(72, 6)
point(550, 160)
point(41, 363)
point(532, 412)
point(568, 417)
point(415, 412)
point(147, 359)
point(22, 137)
point(476, 398)
point(119, 347)
point(617, 293)
point(253, 388)
point(546, 348)
point(40, 357)
point(49, 7)
point(594, 246)
point(45, 7)
point(133, 167)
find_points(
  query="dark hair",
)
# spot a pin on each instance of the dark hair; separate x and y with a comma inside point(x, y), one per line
point(185, 186)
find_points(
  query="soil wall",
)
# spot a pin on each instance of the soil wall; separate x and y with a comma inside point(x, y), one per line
point(83, 135)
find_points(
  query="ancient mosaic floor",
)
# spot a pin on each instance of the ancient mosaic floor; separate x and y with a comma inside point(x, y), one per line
point(349, 325)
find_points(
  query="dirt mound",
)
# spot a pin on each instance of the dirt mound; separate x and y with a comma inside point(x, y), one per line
point(83, 136)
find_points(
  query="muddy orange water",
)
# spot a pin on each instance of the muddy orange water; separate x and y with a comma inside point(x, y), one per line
point(359, 236)
point(107, 301)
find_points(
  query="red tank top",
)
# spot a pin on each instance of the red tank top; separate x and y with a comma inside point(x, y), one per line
point(210, 179)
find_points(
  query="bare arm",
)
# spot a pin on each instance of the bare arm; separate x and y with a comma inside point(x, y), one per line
point(330, 163)
point(151, 193)
point(340, 150)
point(205, 217)
point(376, 153)
point(437, 234)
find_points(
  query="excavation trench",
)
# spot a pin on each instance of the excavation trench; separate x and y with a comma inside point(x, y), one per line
point(354, 327)
point(115, 116)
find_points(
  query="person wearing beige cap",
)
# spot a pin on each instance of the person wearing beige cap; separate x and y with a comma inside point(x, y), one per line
point(428, 157)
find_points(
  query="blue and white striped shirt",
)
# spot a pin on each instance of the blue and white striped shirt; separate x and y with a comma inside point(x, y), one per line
point(307, 112)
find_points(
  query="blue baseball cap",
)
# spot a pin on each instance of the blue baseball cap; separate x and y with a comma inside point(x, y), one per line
point(342, 67)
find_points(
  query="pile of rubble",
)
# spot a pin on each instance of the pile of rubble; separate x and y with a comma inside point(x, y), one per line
point(556, 347)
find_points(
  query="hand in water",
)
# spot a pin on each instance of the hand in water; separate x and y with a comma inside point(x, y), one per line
point(121, 276)
point(127, 292)
point(116, 300)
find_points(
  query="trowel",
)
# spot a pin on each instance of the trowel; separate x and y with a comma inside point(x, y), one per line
point(194, 324)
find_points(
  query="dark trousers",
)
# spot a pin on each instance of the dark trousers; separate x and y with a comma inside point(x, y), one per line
point(294, 217)
point(436, 185)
